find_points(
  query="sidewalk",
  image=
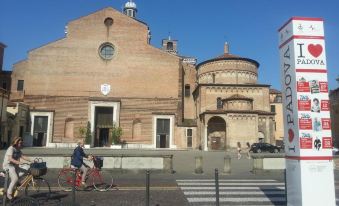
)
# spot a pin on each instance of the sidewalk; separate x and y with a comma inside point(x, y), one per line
point(183, 160)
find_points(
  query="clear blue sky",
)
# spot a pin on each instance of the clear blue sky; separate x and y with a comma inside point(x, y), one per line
point(200, 26)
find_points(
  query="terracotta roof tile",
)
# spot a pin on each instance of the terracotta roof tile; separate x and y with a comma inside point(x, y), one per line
point(227, 55)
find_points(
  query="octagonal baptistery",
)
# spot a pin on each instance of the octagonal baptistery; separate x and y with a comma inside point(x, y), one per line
point(228, 69)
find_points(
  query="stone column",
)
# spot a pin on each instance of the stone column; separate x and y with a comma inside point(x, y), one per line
point(227, 164)
point(205, 138)
point(198, 165)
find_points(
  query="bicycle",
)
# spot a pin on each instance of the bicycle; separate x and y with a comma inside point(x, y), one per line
point(32, 183)
point(101, 181)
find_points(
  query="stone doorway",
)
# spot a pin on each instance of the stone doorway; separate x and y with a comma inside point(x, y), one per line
point(216, 133)
point(103, 125)
point(40, 131)
point(163, 133)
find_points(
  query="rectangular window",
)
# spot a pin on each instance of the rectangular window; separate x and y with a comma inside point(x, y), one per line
point(278, 99)
point(272, 108)
point(189, 138)
point(21, 133)
point(219, 103)
point(275, 126)
point(4, 85)
point(20, 86)
point(187, 90)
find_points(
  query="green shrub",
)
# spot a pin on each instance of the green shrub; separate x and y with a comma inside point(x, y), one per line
point(116, 134)
point(88, 137)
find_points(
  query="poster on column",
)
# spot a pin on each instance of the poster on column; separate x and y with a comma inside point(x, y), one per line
point(313, 113)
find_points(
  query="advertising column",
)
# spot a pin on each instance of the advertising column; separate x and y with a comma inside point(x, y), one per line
point(307, 124)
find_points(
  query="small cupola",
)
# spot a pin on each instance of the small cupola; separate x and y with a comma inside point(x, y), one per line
point(170, 45)
point(226, 48)
point(130, 9)
point(238, 102)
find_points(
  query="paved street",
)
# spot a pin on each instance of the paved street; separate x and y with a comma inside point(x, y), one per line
point(183, 186)
point(179, 189)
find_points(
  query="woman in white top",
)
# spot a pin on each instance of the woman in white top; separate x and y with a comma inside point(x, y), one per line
point(12, 160)
point(239, 150)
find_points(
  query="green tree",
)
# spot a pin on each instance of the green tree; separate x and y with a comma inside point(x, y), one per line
point(116, 133)
point(82, 132)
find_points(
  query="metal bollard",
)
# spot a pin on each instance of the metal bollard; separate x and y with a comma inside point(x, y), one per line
point(4, 197)
point(227, 164)
point(147, 187)
point(73, 187)
point(216, 187)
point(285, 186)
point(198, 165)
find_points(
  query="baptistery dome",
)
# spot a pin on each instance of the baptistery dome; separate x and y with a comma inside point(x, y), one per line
point(228, 69)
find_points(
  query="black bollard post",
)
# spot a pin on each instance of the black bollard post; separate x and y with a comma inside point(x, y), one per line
point(216, 187)
point(73, 187)
point(285, 186)
point(5, 189)
point(147, 187)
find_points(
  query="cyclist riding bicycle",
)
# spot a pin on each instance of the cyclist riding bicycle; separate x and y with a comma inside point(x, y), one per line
point(12, 160)
point(78, 162)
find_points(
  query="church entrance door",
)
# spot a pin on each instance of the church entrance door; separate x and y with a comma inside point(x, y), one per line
point(40, 131)
point(215, 143)
point(103, 125)
point(216, 133)
point(103, 137)
point(163, 133)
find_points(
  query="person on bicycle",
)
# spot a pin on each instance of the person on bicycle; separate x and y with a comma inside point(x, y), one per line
point(13, 158)
point(78, 161)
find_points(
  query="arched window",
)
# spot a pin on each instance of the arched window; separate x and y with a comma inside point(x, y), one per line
point(136, 132)
point(169, 46)
point(69, 128)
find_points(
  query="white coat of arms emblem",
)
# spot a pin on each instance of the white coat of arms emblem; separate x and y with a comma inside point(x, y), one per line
point(105, 89)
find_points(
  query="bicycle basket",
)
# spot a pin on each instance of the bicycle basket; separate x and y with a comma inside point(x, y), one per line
point(98, 162)
point(38, 168)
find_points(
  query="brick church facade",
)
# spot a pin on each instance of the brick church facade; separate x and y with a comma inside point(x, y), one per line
point(105, 71)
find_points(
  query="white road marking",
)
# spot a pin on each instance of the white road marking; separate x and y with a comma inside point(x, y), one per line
point(238, 199)
point(235, 192)
point(233, 188)
point(251, 192)
point(232, 180)
point(223, 183)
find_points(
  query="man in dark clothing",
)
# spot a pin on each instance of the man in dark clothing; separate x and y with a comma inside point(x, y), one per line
point(78, 161)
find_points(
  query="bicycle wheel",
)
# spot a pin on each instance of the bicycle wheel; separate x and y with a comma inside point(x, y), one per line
point(38, 187)
point(65, 179)
point(102, 180)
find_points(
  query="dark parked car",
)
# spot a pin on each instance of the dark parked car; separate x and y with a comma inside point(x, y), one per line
point(264, 147)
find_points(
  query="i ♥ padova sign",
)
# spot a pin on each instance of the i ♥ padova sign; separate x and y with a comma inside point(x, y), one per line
point(308, 139)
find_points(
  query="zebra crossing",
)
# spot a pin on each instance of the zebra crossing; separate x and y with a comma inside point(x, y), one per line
point(251, 192)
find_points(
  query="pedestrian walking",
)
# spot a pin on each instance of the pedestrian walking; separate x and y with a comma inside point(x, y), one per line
point(248, 150)
point(239, 150)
